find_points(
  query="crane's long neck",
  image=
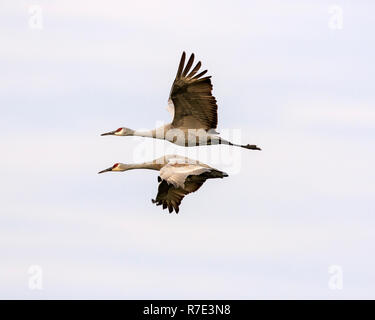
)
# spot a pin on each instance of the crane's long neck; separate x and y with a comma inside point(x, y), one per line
point(158, 133)
point(146, 133)
point(145, 165)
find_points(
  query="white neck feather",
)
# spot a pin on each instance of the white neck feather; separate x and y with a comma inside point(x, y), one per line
point(147, 133)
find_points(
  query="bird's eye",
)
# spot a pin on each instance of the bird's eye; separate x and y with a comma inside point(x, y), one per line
point(115, 165)
point(119, 129)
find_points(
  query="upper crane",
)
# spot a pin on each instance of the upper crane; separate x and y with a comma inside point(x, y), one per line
point(193, 108)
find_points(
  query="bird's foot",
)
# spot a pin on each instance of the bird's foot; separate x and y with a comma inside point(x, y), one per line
point(251, 147)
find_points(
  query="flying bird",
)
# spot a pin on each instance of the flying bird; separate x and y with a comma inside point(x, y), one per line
point(193, 108)
point(178, 176)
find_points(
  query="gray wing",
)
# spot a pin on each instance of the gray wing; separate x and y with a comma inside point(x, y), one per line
point(170, 197)
point(194, 105)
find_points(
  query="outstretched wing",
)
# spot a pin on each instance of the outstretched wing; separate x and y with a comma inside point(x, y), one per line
point(191, 95)
point(170, 197)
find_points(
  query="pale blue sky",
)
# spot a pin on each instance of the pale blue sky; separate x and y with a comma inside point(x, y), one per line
point(301, 90)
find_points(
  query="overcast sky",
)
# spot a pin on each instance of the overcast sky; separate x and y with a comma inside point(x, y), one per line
point(294, 77)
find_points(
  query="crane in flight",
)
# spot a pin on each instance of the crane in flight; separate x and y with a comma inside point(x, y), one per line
point(194, 111)
point(178, 176)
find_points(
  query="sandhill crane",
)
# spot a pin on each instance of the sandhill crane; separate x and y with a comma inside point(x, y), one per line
point(178, 176)
point(193, 108)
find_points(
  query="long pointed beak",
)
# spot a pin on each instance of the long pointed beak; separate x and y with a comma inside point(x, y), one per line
point(105, 170)
point(108, 133)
